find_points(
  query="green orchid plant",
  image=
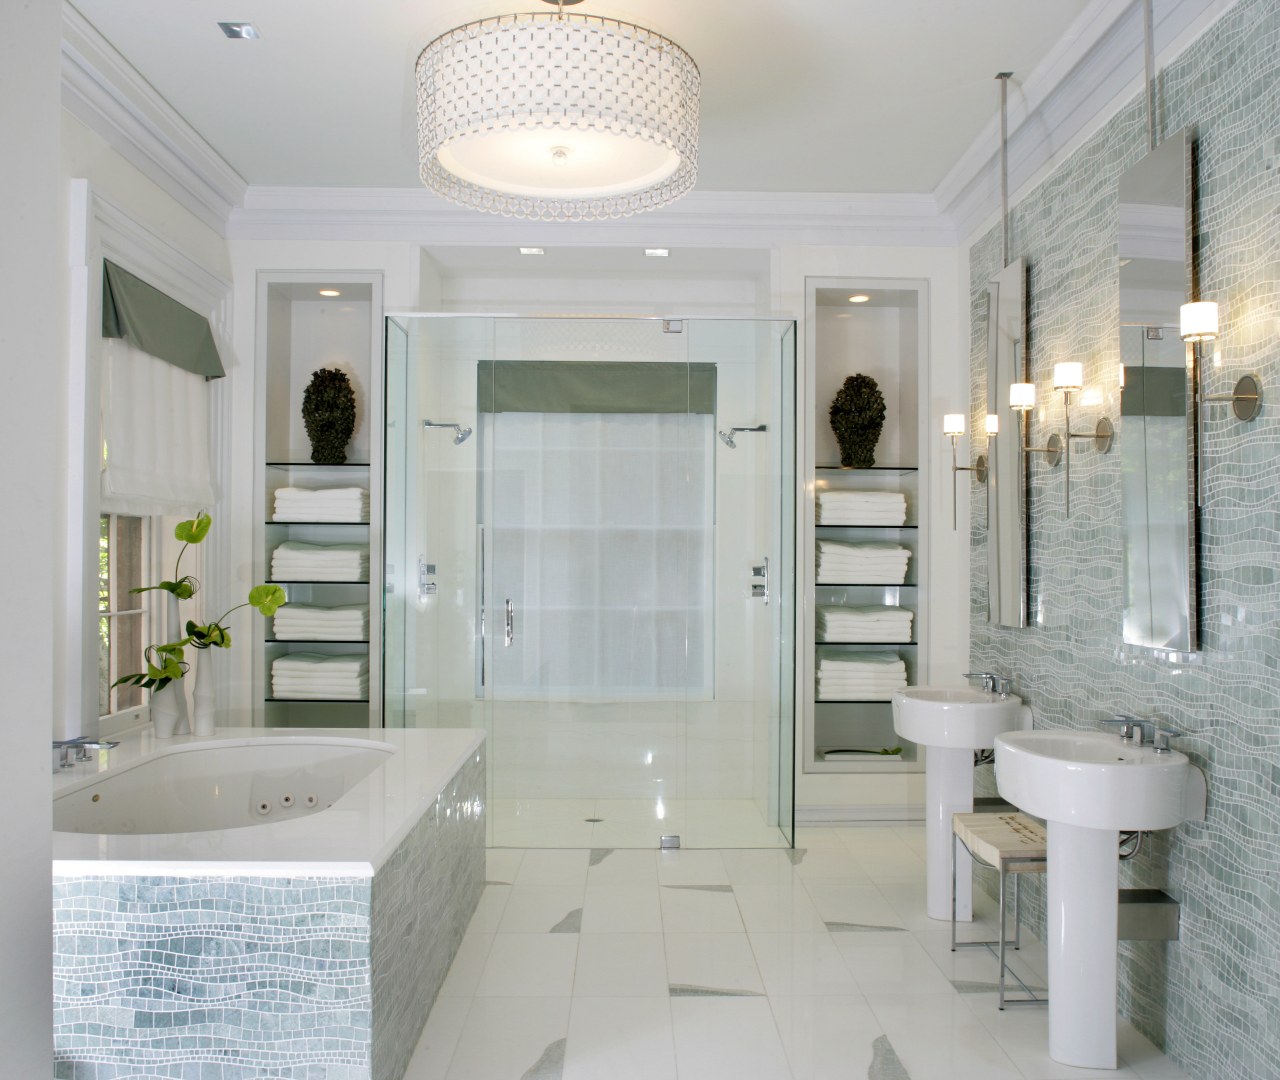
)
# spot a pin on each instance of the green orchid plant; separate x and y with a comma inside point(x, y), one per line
point(167, 662)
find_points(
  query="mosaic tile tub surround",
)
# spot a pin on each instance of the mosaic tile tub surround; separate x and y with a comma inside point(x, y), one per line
point(307, 977)
point(1212, 999)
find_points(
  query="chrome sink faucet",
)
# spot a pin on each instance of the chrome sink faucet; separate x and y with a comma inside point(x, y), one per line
point(80, 747)
point(1138, 732)
point(992, 683)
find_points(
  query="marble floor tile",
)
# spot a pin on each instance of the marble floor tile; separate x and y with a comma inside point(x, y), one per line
point(853, 909)
point(794, 964)
point(622, 909)
point(898, 968)
point(618, 866)
point(711, 963)
point(753, 866)
point(937, 1037)
point(553, 867)
point(620, 1039)
point(700, 908)
point(529, 965)
point(468, 965)
point(828, 1038)
point(690, 867)
point(784, 906)
point(488, 913)
point(621, 966)
point(505, 1038)
point(545, 909)
point(439, 1039)
point(720, 1038)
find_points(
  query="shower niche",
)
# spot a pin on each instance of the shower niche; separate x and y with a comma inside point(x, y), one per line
point(864, 541)
point(318, 532)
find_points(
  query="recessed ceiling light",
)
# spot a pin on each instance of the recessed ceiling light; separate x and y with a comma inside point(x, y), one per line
point(663, 252)
point(242, 30)
point(532, 251)
point(859, 298)
point(330, 292)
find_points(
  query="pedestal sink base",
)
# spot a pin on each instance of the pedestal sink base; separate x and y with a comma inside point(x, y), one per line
point(948, 789)
point(1084, 879)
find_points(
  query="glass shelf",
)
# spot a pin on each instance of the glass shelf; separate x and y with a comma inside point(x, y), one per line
point(819, 525)
point(316, 465)
point(309, 581)
point(316, 701)
point(874, 468)
point(325, 523)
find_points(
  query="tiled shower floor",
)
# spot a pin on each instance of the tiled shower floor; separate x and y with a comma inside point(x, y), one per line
point(816, 964)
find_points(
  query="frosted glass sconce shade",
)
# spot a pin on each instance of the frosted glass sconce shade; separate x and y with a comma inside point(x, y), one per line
point(953, 424)
point(1022, 396)
point(1199, 321)
point(993, 424)
point(1068, 376)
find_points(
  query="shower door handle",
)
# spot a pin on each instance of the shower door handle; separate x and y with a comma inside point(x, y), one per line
point(509, 634)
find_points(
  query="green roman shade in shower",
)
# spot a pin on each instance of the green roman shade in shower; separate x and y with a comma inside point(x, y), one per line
point(552, 386)
point(157, 324)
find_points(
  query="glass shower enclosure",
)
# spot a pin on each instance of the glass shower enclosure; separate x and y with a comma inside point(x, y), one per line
point(590, 555)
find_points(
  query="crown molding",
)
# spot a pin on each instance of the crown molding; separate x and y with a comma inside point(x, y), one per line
point(105, 93)
point(709, 219)
point(1096, 71)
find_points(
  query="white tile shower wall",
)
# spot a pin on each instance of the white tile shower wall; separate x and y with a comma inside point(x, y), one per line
point(293, 978)
point(1213, 997)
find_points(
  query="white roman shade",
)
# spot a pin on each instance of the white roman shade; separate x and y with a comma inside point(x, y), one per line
point(155, 433)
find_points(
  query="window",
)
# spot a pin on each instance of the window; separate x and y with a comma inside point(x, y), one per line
point(122, 616)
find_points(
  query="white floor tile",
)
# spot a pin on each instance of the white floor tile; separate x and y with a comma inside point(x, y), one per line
point(553, 868)
point(609, 909)
point(439, 1038)
point(1022, 1032)
point(902, 864)
point(689, 867)
point(831, 864)
point(727, 1039)
point(620, 1039)
point(827, 1038)
point(723, 962)
point(503, 1038)
point(502, 864)
point(801, 964)
point(899, 968)
point(533, 909)
point(853, 909)
point(529, 965)
point(783, 906)
point(620, 966)
point(620, 867)
point(688, 909)
point(1141, 1055)
point(488, 913)
point(753, 866)
point(973, 967)
point(468, 965)
point(937, 1037)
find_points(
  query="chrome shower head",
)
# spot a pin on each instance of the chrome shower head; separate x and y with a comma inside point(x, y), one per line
point(460, 434)
point(726, 437)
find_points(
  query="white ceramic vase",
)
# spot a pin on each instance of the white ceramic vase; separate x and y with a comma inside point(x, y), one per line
point(169, 710)
point(206, 698)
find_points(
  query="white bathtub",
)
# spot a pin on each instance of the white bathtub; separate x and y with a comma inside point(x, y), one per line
point(224, 784)
point(205, 916)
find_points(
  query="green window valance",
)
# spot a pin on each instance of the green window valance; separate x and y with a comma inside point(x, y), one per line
point(592, 387)
point(157, 324)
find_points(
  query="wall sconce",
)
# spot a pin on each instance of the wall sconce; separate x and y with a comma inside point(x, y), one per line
point(1199, 322)
point(1022, 399)
point(1069, 378)
point(953, 428)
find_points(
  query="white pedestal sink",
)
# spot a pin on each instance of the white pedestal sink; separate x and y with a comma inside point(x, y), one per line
point(951, 724)
point(1088, 786)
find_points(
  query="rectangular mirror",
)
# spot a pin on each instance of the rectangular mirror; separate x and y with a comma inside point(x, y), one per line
point(1006, 463)
point(1157, 401)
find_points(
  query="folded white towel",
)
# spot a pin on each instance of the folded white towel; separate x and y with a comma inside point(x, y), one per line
point(876, 660)
point(313, 662)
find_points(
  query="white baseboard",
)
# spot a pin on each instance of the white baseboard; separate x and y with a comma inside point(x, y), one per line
point(808, 816)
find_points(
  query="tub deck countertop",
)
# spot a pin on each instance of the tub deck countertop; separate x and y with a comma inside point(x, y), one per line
point(351, 838)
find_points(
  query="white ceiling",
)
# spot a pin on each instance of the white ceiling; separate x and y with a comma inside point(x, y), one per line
point(797, 95)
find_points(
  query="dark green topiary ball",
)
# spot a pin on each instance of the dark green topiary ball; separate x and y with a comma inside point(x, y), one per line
point(329, 413)
point(857, 417)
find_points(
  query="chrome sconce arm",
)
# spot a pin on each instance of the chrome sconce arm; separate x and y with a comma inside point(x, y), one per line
point(953, 428)
point(1069, 378)
point(1022, 399)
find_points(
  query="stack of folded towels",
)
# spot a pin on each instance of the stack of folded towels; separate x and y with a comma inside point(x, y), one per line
point(858, 624)
point(321, 504)
point(859, 676)
point(885, 508)
point(305, 622)
point(311, 676)
point(296, 561)
point(841, 563)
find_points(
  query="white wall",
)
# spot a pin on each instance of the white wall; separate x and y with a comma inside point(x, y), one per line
point(33, 343)
point(945, 376)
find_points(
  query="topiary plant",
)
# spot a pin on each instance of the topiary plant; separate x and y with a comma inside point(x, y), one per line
point(857, 416)
point(329, 413)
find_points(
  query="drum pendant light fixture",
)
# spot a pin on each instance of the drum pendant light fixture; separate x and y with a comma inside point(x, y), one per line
point(557, 117)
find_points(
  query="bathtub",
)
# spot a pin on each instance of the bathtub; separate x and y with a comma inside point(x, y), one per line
point(260, 904)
